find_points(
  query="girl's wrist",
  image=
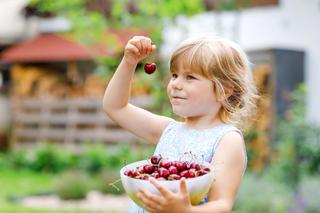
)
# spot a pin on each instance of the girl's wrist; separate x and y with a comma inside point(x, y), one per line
point(129, 63)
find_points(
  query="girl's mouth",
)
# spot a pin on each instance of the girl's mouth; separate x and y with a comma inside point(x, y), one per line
point(178, 98)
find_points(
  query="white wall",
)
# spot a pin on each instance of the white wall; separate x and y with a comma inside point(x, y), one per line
point(12, 23)
point(15, 27)
point(5, 113)
point(291, 24)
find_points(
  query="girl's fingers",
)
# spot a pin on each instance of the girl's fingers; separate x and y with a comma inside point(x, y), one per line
point(149, 47)
point(183, 186)
point(137, 43)
point(133, 49)
point(153, 48)
point(163, 191)
point(152, 197)
point(148, 199)
point(144, 44)
point(145, 47)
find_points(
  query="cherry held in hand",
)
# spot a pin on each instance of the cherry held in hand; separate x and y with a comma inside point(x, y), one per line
point(149, 68)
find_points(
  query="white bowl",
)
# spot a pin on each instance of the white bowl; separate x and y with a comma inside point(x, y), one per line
point(198, 187)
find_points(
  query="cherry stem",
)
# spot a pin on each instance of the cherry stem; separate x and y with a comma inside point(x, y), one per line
point(124, 162)
point(113, 184)
point(202, 162)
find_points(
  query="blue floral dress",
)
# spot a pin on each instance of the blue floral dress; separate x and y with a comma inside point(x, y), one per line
point(178, 141)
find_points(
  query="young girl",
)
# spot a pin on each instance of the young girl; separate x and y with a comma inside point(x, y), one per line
point(211, 88)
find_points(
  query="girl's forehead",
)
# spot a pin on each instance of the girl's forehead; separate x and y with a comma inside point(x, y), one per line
point(183, 67)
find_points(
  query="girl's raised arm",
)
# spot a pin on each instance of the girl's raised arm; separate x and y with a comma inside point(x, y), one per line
point(116, 98)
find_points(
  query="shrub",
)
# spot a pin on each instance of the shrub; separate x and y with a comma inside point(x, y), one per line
point(3, 162)
point(19, 159)
point(49, 158)
point(93, 158)
point(72, 185)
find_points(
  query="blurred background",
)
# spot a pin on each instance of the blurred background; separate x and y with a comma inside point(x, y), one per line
point(60, 153)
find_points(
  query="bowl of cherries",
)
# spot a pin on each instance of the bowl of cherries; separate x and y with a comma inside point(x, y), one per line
point(199, 177)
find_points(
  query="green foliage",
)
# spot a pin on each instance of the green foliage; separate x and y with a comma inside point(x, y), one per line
point(3, 161)
point(93, 158)
point(298, 146)
point(87, 25)
point(46, 157)
point(250, 135)
point(49, 158)
point(18, 158)
point(72, 185)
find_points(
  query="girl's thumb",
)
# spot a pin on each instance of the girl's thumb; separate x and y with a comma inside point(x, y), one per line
point(183, 186)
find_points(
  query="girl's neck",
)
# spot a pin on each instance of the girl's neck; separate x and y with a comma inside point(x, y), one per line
point(202, 123)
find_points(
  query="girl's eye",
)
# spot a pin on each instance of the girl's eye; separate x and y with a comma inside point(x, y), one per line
point(190, 77)
point(174, 75)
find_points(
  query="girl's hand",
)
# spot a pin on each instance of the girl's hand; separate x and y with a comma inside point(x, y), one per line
point(138, 48)
point(167, 201)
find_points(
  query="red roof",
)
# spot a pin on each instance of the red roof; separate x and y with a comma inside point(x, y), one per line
point(55, 47)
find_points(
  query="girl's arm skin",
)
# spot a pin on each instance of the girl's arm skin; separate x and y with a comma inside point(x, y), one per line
point(229, 160)
point(115, 101)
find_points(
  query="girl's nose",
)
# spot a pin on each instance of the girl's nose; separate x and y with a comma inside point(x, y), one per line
point(176, 84)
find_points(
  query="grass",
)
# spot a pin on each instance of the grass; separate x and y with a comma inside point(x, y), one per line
point(18, 183)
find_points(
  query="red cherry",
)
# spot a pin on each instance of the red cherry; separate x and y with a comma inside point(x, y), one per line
point(129, 173)
point(173, 170)
point(148, 169)
point(155, 175)
point(149, 68)
point(155, 159)
point(191, 173)
point(174, 177)
point(184, 173)
point(181, 166)
point(140, 170)
point(207, 169)
point(200, 173)
point(144, 177)
point(165, 164)
point(194, 166)
point(163, 172)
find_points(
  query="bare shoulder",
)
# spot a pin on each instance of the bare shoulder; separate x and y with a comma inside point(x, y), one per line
point(231, 149)
point(232, 140)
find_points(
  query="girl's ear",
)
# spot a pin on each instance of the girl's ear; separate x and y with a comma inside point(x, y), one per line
point(228, 89)
point(224, 92)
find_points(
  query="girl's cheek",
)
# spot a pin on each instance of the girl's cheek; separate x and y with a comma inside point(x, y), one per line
point(169, 88)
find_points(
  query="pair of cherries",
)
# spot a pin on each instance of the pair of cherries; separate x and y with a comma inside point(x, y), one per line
point(161, 169)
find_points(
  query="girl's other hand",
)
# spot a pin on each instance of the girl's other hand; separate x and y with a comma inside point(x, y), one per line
point(167, 201)
point(138, 48)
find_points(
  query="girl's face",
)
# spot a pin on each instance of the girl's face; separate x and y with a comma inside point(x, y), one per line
point(192, 95)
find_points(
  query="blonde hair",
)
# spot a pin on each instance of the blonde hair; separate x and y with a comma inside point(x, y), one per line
point(227, 66)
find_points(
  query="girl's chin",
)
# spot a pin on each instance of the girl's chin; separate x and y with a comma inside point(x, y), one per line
point(182, 114)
